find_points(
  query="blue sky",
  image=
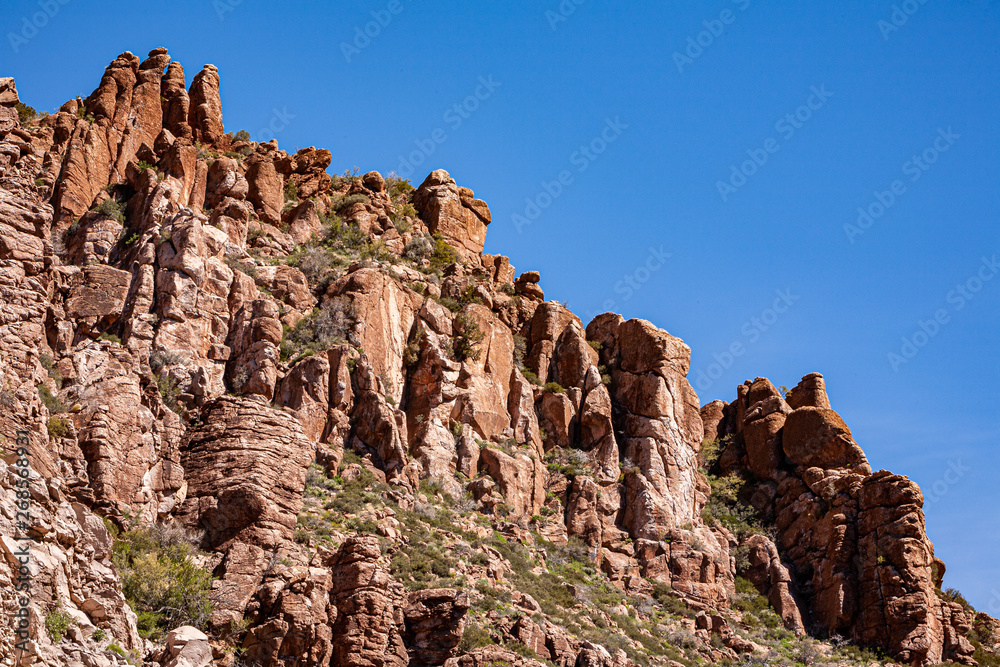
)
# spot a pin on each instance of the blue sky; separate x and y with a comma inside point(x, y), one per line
point(836, 107)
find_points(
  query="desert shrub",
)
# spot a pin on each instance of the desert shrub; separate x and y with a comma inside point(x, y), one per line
point(520, 350)
point(470, 335)
point(350, 175)
point(725, 507)
point(442, 254)
point(159, 359)
point(412, 353)
point(127, 238)
point(313, 262)
point(451, 304)
point(354, 494)
point(110, 337)
point(160, 581)
point(170, 391)
point(419, 248)
point(749, 601)
point(51, 402)
point(424, 561)
point(57, 622)
point(473, 637)
point(396, 186)
point(531, 377)
point(143, 165)
point(343, 202)
point(316, 477)
point(25, 113)
point(339, 234)
point(255, 231)
point(377, 250)
point(421, 564)
point(404, 211)
point(665, 596)
point(241, 135)
point(469, 296)
point(709, 453)
point(569, 462)
point(114, 209)
point(954, 595)
point(864, 656)
point(236, 264)
point(711, 450)
point(58, 426)
point(324, 328)
point(554, 387)
point(402, 226)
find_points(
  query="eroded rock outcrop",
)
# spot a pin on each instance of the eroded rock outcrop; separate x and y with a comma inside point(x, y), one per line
point(245, 469)
point(453, 212)
point(657, 412)
point(854, 541)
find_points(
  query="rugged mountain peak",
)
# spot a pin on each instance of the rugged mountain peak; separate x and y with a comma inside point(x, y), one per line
point(305, 415)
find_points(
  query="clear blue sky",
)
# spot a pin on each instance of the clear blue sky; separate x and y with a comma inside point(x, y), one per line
point(678, 126)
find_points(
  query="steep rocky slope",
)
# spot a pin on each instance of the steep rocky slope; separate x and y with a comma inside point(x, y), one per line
point(308, 415)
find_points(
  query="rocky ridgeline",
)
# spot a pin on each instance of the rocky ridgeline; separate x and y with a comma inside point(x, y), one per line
point(390, 450)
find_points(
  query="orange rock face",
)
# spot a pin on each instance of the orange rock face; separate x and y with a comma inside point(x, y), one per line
point(245, 470)
point(453, 212)
point(853, 556)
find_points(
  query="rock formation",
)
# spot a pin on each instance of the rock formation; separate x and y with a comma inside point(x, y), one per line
point(385, 447)
point(854, 540)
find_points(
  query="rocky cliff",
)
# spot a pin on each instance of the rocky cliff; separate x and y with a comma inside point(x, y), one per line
point(262, 415)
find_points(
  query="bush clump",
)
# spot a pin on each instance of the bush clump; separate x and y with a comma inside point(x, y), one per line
point(725, 507)
point(442, 254)
point(326, 327)
point(58, 622)
point(412, 353)
point(25, 113)
point(160, 581)
point(397, 186)
point(350, 200)
point(419, 248)
point(162, 358)
point(51, 402)
point(114, 209)
point(57, 427)
point(470, 335)
point(474, 637)
point(170, 391)
point(315, 262)
point(531, 377)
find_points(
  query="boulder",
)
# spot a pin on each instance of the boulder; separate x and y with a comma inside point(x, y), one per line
point(453, 212)
point(819, 437)
point(187, 647)
point(434, 620)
